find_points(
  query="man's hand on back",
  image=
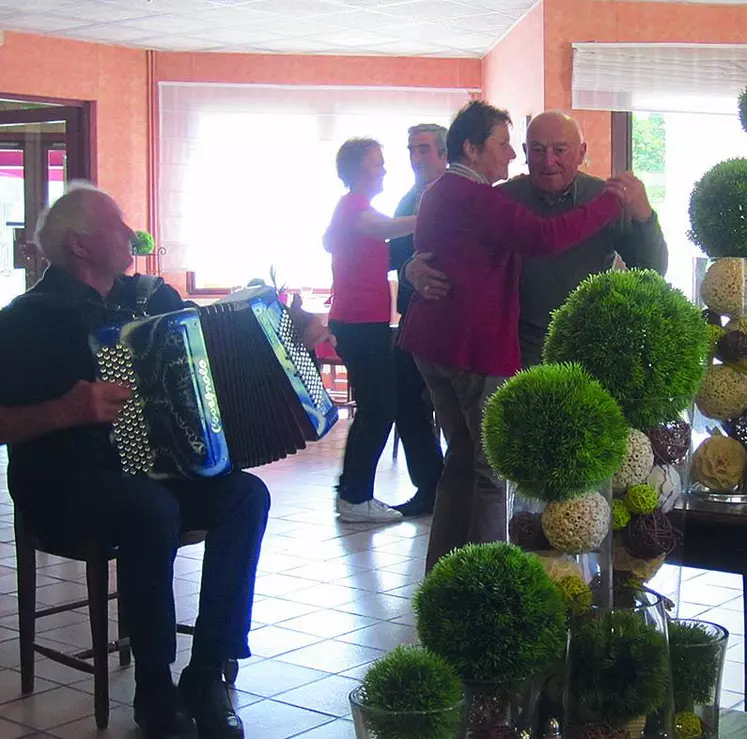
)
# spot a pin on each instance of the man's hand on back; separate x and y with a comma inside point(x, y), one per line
point(429, 282)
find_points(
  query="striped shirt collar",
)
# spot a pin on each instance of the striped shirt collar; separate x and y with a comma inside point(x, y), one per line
point(463, 170)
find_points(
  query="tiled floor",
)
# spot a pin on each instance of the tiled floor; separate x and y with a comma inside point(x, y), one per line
point(331, 598)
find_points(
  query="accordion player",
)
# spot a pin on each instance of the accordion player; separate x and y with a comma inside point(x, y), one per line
point(229, 385)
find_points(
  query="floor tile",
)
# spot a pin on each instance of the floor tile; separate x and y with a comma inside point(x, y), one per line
point(329, 695)
point(11, 730)
point(332, 656)
point(328, 624)
point(385, 635)
point(121, 726)
point(271, 720)
point(339, 729)
point(272, 641)
point(271, 677)
point(49, 709)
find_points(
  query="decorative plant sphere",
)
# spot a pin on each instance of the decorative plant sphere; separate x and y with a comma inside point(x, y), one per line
point(667, 482)
point(525, 530)
point(640, 570)
point(637, 463)
point(577, 525)
point(719, 463)
point(687, 726)
point(143, 243)
point(724, 286)
point(412, 689)
point(641, 499)
point(715, 334)
point(671, 441)
point(575, 591)
point(554, 431)
point(558, 565)
point(743, 108)
point(694, 651)
point(492, 611)
point(620, 515)
point(717, 221)
point(723, 394)
point(642, 339)
point(648, 537)
point(732, 348)
point(619, 668)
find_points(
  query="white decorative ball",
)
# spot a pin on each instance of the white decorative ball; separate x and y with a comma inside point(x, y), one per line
point(665, 479)
point(724, 287)
point(558, 565)
point(577, 525)
point(639, 459)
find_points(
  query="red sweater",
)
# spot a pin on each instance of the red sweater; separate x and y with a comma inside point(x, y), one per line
point(477, 235)
point(360, 288)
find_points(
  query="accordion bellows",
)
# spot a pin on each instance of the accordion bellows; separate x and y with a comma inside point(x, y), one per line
point(229, 385)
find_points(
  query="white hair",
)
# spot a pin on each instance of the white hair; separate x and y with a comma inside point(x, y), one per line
point(69, 214)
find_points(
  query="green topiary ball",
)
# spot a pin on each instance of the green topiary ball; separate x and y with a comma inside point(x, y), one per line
point(717, 218)
point(554, 431)
point(641, 499)
point(643, 340)
point(687, 726)
point(575, 591)
point(412, 679)
point(743, 108)
point(619, 669)
point(143, 243)
point(492, 611)
point(695, 657)
point(620, 515)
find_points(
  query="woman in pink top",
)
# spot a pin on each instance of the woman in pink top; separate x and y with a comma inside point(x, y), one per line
point(359, 320)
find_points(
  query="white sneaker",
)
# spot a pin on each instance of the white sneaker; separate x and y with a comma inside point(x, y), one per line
point(372, 511)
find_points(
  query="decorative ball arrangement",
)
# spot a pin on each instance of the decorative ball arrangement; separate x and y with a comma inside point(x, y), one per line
point(719, 463)
point(737, 429)
point(723, 394)
point(525, 530)
point(641, 570)
point(687, 726)
point(717, 220)
point(415, 692)
point(575, 592)
point(732, 348)
point(558, 565)
point(641, 499)
point(667, 482)
point(620, 515)
point(649, 537)
point(638, 462)
point(143, 243)
point(554, 431)
point(577, 525)
point(671, 441)
point(723, 287)
point(641, 338)
point(464, 614)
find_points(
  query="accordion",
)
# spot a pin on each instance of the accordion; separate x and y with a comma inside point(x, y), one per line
point(230, 385)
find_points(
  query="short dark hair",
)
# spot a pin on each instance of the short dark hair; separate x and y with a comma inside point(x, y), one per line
point(350, 157)
point(474, 123)
point(438, 131)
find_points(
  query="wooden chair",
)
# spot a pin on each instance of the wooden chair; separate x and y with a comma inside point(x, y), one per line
point(93, 661)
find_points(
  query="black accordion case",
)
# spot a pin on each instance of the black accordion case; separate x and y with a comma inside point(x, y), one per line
point(229, 385)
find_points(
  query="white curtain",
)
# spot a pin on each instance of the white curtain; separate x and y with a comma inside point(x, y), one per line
point(247, 172)
point(677, 78)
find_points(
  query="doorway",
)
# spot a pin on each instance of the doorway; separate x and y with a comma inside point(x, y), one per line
point(43, 145)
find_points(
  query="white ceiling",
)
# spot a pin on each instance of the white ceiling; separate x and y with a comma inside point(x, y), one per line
point(443, 28)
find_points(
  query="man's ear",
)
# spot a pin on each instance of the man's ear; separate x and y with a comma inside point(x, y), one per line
point(470, 151)
point(582, 155)
point(75, 245)
point(526, 153)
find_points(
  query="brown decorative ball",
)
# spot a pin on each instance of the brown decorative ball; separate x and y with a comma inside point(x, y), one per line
point(525, 530)
point(599, 731)
point(671, 441)
point(650, 536)
point(738, 429)
point(732, 347)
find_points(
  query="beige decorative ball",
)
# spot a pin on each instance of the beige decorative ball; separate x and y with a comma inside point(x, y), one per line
point(724, 287)
point(558, 565)
point(667, 482)
point(723, 393)
point(644, 569)
point(639, 459)
point(719, 463)
point(577, 525)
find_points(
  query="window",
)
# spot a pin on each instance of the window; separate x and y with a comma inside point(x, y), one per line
point(248, 181)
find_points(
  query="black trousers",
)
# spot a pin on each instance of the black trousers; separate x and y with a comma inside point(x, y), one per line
point(387, 388)
point(144, 518)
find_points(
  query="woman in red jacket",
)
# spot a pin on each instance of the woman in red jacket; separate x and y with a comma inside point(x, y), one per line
point(359, 319)
point(466, 344)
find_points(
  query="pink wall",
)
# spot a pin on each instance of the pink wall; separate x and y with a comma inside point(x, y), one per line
point(513, 71)
point(569, 21)
point(112, 76)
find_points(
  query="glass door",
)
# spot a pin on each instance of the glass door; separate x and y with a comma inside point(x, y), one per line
point(41, 147)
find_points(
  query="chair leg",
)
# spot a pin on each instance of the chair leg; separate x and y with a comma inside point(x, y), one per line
point(26, 574)
point(123, 631)
point(97, 576)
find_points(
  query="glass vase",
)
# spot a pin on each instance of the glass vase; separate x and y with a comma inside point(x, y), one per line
point(377, 723)
point(494, 712)
point(618, 674)
point(697, 669)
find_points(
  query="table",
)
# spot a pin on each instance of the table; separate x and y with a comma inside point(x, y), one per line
point(715, 538)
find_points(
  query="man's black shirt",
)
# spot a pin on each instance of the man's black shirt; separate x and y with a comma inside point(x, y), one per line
point(44, 345)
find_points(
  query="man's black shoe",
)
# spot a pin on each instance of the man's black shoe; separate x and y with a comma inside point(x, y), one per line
point(207, 699)
point(418, 505)
point(160, 713)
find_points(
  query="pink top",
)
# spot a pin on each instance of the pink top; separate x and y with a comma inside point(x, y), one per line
point(360, 289)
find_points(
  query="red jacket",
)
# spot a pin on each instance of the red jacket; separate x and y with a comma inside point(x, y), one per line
point(477, 235)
